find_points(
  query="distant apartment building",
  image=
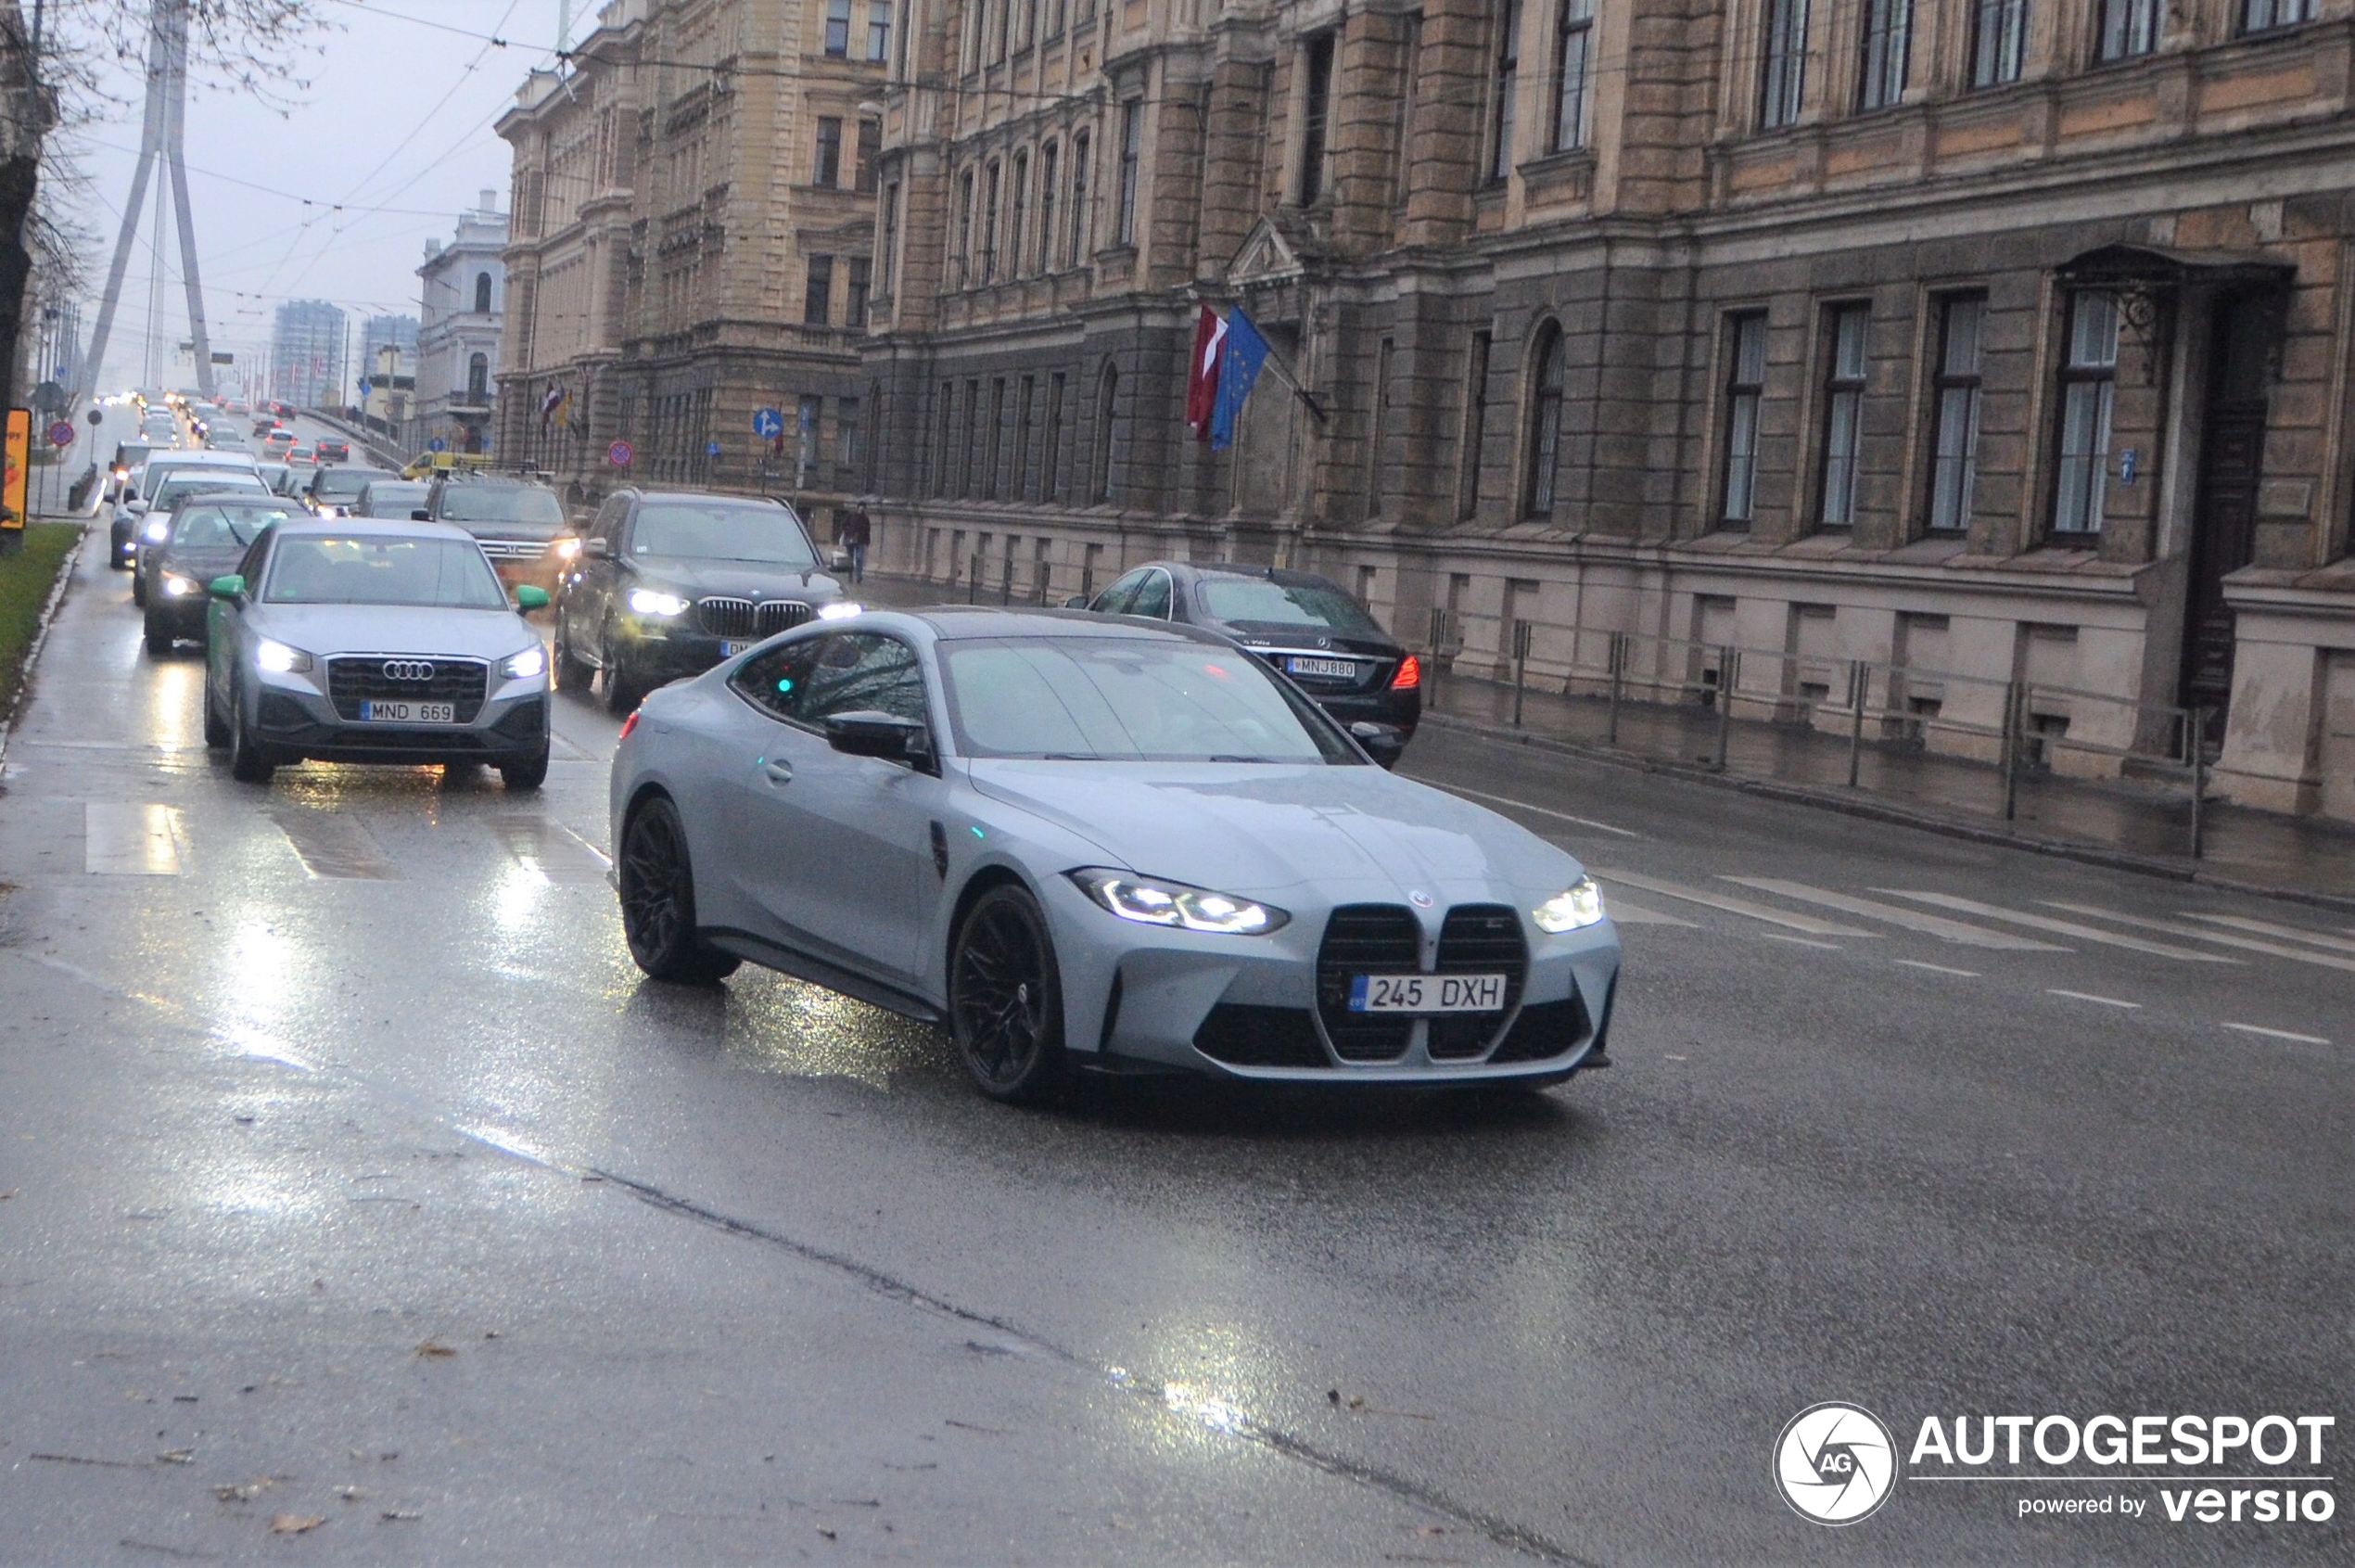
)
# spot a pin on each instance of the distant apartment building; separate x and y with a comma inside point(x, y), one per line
point(464, 295)
point(694, 214)
point(2003, 339)
point(307, 356)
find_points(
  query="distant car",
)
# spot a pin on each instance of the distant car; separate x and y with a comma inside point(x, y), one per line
point(518, 521)
point(275, 475)
point(403, 499)
point(237, 410)
point(208, 536)
point(264, 426)
point(335, 452)
point(355, 641)
point(140, 488)
point(218, 440)
point(301, 457)
point(1084, 843)
point(128, 457)
point(333, 492)
point(155, 524)
point(669, 584)
point(1306, 626)
point(278, 441)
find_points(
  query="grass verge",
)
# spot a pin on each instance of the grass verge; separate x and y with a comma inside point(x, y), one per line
point(26, 578)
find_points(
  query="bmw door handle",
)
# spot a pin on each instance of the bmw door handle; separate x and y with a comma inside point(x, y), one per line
point(780, 771)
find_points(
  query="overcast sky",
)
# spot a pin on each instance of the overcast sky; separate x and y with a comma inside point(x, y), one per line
point(394, 129)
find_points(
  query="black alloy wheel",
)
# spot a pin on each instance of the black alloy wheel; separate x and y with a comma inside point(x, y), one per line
point(248, 762)
point(624, 692)
point(1005, 998)
point(138, 587)
point(658, 901)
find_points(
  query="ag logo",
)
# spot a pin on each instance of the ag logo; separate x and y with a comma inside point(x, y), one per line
point(1836, 1464)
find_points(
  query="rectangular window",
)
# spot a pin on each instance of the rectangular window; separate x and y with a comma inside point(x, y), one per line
point(1023, 402)
point(845, 441)
point(1005, 24)
point(878, 30)
point(817, 298)
point(854, 305)
point(838, 28)
point(1316, 110)
point(940, 450)
point(1504, 85)
point(1844, 377)
point(972, 437)
point(1783, 68)
point(1380, 427)
point(1050, 174)
point(1080, 147)
point(2264, 16)
point(829, 169)
point(2089, 384)
point(1574, 69)
point(996, 438)
point(1998, 41)
point(1411, 74)
point(1745, 387)
point(890, 236)
point(1889, 47)
point(1028, 33)
point(2130, 28)
point(1018, 217)
point(1469, 454)
point(964, 228)
point(870, 148)
point(989, 223)
point(810, 419)
point(1054, 455)
point(1055, 18)
point(1954, 409)
point(1132, 147)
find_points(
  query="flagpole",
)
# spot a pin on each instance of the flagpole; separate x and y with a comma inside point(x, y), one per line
point(1277, 363)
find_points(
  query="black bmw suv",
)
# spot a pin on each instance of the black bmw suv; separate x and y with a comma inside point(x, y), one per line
point(1306, 626)
point(666, 583)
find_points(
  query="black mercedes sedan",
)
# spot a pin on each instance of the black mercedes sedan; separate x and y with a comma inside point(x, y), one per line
point(210, 536)
point(1308, 627)
point(666, 583)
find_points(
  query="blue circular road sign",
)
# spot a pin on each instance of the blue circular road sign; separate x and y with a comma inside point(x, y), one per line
point(768, 425)
point(437, 444)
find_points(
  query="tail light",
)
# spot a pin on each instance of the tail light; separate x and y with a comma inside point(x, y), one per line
point(630, 723)
point(1409, 676)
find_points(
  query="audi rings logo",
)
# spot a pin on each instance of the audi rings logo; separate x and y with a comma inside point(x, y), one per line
point(408, 670)
point(1836, 1464)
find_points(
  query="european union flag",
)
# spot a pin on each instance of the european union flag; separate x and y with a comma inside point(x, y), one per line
point(1246, 351)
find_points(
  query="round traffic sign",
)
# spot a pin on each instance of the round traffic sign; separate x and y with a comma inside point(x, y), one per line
point(61, 433)
point(712, 451)
point(768, 424)
point(96, 416)
point(621, 454)
point(437, 444)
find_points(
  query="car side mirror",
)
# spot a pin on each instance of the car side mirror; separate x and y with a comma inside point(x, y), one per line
point(865, 732)
point(531, 597)
point(229, 587)
point(421, 515)
point(138, 507)
point(597, 547)
point(1077, 601)
point(1384, 743)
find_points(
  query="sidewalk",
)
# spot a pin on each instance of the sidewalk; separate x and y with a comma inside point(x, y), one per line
point(2119, 823)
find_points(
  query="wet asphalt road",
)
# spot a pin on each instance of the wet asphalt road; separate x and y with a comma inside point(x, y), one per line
point(353, 1175)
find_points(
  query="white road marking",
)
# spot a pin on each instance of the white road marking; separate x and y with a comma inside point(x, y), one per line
point(122, 840)
point(2065, 927)
point(2088, 996)
point(1912, 920)
point(1938, 968)
point(1525, 806)
point(599, 855)
point(1732, 905)
point(1625, 913)
point(2247, 944)
point(2267, 928)
point(2277, 1034)
point(1802, 941)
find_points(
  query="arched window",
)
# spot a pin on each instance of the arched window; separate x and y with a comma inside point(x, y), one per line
point(1545, 421)
point(479, 377)
point(1107, 405)
point(482, 294)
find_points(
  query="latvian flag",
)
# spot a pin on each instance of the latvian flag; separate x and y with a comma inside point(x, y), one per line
point(1202, 374)
point(549, 404)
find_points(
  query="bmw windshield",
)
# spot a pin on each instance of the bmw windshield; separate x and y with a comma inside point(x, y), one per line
point(1088, 699)
point(717, 531)
point(383, 569)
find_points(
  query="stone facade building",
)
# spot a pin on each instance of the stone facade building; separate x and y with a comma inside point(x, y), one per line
point(693, 215)
point(2004, 340)
point(463, 294)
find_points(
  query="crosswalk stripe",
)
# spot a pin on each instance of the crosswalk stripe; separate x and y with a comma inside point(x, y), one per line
point(557, 857)
point(1525, 806)
point(118, 839)
point(2062, 927)
point(1912, 920)
point(1732, 905)
point(2277, 1034)
point(336, 847)
point(2088, 996)
point(2247, 944)
point(1938, 968)
point(2267, 928)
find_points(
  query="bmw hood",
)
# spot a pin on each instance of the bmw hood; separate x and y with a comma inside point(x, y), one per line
point(1357, 833)
point(328, 630)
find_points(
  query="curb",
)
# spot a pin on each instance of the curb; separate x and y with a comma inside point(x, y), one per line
point(1898, 816)
point(41, 636)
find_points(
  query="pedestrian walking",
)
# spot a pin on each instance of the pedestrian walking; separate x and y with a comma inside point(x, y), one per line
point(853, 530)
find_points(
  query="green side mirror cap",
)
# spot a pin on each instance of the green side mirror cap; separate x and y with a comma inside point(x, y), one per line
point(227, 587)
point(529, 597)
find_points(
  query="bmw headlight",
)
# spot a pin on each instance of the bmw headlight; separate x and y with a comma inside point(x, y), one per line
point(842, 610)
point(655, 602)
point(177, 586)
point(279, 659)
point(157, 531)
point(1580, 906)
point(526, 664)
point(1150, 901)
